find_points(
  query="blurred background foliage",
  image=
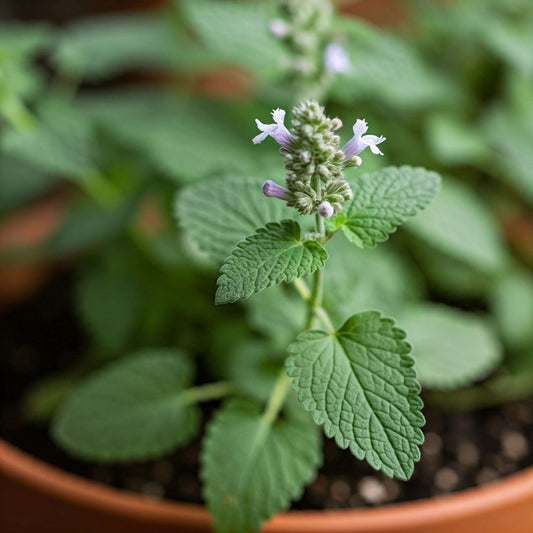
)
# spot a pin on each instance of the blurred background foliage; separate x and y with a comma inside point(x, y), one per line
point(115, 112)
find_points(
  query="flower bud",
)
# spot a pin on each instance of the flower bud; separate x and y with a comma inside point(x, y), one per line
point(325, 209)
point(273, 190)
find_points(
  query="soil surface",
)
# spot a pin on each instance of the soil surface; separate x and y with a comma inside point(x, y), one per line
point(461, 450)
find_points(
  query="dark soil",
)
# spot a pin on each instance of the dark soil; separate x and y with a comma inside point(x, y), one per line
point(461, 450)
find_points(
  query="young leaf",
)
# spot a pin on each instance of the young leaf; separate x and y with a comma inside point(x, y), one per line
point(208, 213)
point(359, 383)
point(272, 255)
point(382, 201)
point(443, 226)
point(451, 348)
point(253, 467)
point(134, 409)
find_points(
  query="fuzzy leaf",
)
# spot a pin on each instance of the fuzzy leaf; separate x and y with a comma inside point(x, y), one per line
point(208, 213)
point(134, 409)
point(460, 225)
point(359, 383)
point(272, 255)
point(253, 467)
point(451, 348)
point(383, 200)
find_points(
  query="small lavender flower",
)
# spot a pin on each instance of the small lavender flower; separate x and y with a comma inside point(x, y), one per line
point(325, 209)
point(273, 190)
point(359, 141)
point(336, 59)
point(279, 28)
point(277, 131)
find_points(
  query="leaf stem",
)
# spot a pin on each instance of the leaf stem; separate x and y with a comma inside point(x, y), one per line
point(204, 393)
point(277, 397)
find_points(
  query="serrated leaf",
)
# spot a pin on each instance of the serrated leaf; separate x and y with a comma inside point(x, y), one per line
point(359, 382)
point(109, 306)
point(451, 348)
point(253, 467)
point(238, 32)
point(272, 255)
point(131, 410)
point(382, 201)
point(207, 212)
point(458, 224)
point(512, 303)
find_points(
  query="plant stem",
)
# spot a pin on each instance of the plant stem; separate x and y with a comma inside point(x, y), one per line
point(277, 397)
point(204, 393)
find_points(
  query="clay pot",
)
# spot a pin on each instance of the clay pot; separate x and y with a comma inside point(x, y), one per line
point(38, 498)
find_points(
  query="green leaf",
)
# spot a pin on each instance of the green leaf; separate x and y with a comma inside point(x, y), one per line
point(512, 303)
point(389, 70)
point(382, 201)
point(460, 225)
point(273, 254)
point(253, 466)
point(99, 47)
point(132, 410)
point(109, 306)
point(451, 348)
point(61, 142)
point(207, 212)
point(510, 138)
point(358, 279)
point(20, 182)
point(359, 382)
point(238, 32)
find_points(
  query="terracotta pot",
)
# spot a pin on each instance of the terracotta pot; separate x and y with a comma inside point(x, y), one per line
point(28, 228)
point(36, 497)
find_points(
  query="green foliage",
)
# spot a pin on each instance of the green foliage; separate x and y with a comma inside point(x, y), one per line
point(20, 182)
point(218, 213)
point(60, 142)
point(359, 382)
point(134, 409)
point(184, 138)
point(451, 348)
point(238, 33)
point(459, 224)
point(101, 47)
point(383, 200)
point(512, 304)
point(253, 465)
point(109, 306)
point(273, 254)
point(387, 69)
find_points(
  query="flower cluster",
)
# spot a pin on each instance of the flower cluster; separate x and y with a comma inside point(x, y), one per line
point(307, 31)
point(315, 164)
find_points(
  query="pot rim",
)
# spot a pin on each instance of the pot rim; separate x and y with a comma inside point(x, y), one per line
point(39, 476)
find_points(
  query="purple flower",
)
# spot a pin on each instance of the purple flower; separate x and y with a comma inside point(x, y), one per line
point(273, 190)
point(325, 209)
point(359, 141)
point(279, 28)
point(277, 130)
point(336, 59)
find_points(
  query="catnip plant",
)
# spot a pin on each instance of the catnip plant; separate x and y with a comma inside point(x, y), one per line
point(354, 377)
